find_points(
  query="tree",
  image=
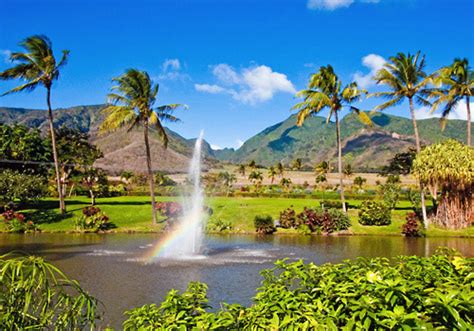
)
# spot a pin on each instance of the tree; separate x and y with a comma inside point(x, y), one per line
point(126, 176)
point(256, 178)
point(95, 180)
point(38, 66)
point(227, 180)
point(448, 168)
point(272, 173)
point(405, 78)
point(359, 182)
point(285, 183)
point(400, 164)
point(297, 164)
point(241, 169)
point(133, 105)
point(348, 170)
point(325, 92)
point(458, 84)
point(280, 169)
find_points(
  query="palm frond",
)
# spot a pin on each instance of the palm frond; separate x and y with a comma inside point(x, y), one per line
point(28, 87)
point(363, 117)
point(117, 117)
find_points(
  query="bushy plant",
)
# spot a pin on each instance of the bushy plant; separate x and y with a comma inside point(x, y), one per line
point(264, 224)
point(404, 293)
point(374, 213)
point(390, 193)
point(16, 222)
point(170, 210)
point(288, 218)
point(412, 226)
point(323, 220)
point(15, 185)
point(35, 295)
point(331, 204)
point(93, 220)
point(218, 225)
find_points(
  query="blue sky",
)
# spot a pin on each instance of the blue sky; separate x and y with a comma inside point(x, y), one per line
point(235, 63)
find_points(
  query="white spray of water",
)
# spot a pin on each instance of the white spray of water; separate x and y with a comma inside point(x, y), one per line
point(191, 223)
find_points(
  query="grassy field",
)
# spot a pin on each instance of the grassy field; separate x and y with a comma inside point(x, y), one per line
point(132, 214)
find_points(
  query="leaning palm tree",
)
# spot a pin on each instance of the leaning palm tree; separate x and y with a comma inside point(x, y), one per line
point(325, 92)
point(457, 84)
point(133, 105)
point(405, 78)
point(38, 66)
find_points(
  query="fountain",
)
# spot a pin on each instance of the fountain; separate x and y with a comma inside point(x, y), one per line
point(185, 240)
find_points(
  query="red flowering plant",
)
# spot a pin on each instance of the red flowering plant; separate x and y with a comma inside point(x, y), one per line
point(17, 223)
point(170, 210)
point(93, 220)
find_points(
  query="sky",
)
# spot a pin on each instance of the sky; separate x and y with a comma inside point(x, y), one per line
point(236, 63)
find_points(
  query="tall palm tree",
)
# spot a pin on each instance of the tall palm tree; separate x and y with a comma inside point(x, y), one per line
point(272, 172)
point(325, 92)
point(38, 66)
point(405, 78)
point(457, 84)
point(133, 105)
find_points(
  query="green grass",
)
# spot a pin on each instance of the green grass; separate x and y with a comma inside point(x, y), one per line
point(133, 214)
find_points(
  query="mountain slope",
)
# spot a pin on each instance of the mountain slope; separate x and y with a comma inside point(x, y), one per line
point(315, 141)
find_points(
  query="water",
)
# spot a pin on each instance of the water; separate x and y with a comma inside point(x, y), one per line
point(185, 242)
point(113, 269)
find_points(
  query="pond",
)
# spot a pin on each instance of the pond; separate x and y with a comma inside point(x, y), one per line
point(115, 267)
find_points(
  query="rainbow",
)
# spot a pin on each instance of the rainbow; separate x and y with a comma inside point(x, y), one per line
point(167, 244)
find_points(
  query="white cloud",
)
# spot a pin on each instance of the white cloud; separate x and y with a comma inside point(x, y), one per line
point(251, 85)
point(239, 143)
point(171, 70)
point(334, 4)
point(215, 147)
point(458, 113)
point(6, 55)
point(374, 62)
point(213, 89)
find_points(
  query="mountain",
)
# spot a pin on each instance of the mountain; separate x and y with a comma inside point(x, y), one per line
point(369, 148)
point(122, 150)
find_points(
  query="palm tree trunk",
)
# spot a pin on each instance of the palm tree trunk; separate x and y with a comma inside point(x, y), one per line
point(418, 150)
point(150, 174)
point(339, 161)
point(62, 205)
point(468, 107)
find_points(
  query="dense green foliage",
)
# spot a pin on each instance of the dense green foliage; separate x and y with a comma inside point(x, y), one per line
point(390, 194)
point(374, 213)
point(264, 224)
point(408, 292)
point(17, 223)
point(448, 168)
point(18, 186)
point(35, 295)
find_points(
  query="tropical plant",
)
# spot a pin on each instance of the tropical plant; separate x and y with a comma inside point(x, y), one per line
point(359, 182)
point(95, 181)
point(457, 84)
point(297, 164)
point(400, 164)
point(133, 105)
point(35, 295)
point(256, 178)
point(390, 194)
point(348, 172)
point(405, 78)
point(17, 223)
point(323, 220)
point(93, 220)
point(252, 164)
point(448, 168)
point(280, 168)
point(412, 227)
point(374, 213)
point(264, 224)
point(325, 92)
point(288, 218)
point(285, 183)
point(38, 66)
point(272, 173)
point(227, 180)
point(241, 169)
point(218, 225)
point(22, 187)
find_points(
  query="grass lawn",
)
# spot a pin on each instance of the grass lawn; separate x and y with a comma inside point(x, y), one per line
point(133, 213)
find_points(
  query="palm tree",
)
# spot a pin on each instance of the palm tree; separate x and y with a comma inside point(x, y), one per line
point(256, 178)
point(458, 82)
point(38, 66)
point(325, 92)
point(241, 169)
point(272, 174)
point(405, 78)
point(133, 105)
point(285, 183)
point(280, 169)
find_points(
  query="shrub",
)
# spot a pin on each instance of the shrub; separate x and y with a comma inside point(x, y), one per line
point(264, 224)
point(218, 225)
point(324, 220)
point(403, 293)
point(17, 223)
point(35, 295)
point(24, 187)
point(412, 227)
point(374, 213)
point(288, 218)
point(390, 193)
point(170, 210)
point(93, 220)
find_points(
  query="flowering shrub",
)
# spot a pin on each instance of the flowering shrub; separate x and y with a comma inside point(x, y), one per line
point(170, 210)
point(327, 220)
point(93, 220)
point(412, 227)
point(17, 223)
point(374, 213)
